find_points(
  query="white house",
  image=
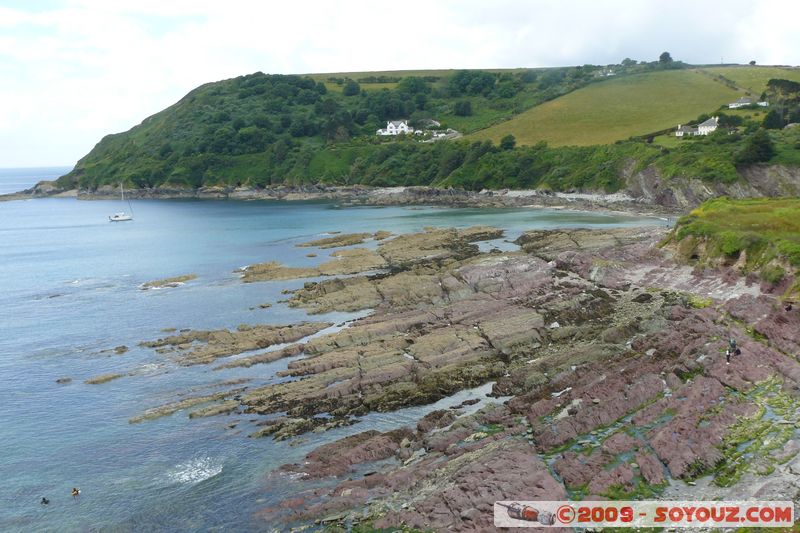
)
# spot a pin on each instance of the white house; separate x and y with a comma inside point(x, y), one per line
point(741, 102)
point(709, 126)
point(396, 127)
point(744, 102)
point(704, 128)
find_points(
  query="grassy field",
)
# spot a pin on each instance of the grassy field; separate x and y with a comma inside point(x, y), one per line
point(668, 141)
point(768, 230)
point(616, 109)
point(755, 79)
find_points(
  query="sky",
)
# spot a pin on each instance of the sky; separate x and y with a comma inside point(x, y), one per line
point(73, 71)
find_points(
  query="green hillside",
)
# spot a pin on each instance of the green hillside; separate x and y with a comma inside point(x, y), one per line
point(617, 109)
point(263, 129)
point(260, 130)
point(755, 78)
point(389, 79)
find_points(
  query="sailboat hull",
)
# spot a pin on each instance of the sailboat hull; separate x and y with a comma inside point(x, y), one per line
point(122, 216)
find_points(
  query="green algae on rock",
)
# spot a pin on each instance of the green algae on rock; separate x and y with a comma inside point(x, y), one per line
point(167, 282)
point(170, 408)
point(103, 378)
point(200, 346)
point(342, 239)
point(343, 262)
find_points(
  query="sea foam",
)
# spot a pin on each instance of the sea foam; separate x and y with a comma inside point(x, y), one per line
point(196, 470)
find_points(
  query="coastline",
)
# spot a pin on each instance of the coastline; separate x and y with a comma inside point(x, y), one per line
point(579, 344)
point(357, 195)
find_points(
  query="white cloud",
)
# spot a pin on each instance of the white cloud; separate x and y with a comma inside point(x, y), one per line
point(85, 68)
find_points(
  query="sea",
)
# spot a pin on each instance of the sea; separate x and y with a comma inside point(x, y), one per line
point(71, 293)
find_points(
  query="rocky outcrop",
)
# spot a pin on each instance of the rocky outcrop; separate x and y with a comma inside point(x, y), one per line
point(200, 347)
point(170, 408)
point(685, 193)
point(352, 261)
point(619, 381)
point(168, 282)
point(338, 458)
point(345, 239)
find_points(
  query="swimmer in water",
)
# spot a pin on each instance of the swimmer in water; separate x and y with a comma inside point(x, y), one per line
point(75, 492)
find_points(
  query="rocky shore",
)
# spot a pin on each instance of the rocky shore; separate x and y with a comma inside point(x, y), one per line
point(613, 353)
point(366, 195)
point(646, 191)
point(607, 348)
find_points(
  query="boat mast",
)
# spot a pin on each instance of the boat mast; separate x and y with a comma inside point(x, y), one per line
point(122, 190)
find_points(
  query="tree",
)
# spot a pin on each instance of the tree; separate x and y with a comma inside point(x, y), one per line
point(665, 58)
point(351, 88)
point(413, 85)
point(628, 62)
point(471, 82)
point(463, 108)
point(758, 149)
point(773, 120)
point(752, 62)
point(529, 76)
point(508, 142)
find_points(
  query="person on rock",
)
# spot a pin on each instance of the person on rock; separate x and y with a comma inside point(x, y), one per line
point(733, 349)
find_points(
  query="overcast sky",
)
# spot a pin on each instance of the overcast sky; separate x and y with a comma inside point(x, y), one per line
point(75, 70)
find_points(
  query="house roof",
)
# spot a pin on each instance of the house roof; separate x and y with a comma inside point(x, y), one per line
point(397, 122)
point(687, 128)
point(744, 100)
point(713, 121)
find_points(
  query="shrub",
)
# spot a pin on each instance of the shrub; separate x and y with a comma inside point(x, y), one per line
point(772, 274)
point(351, 88)
point(730, 243)
point(463, 108)
point(791, 250)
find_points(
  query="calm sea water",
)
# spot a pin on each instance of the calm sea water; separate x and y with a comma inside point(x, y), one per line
point(70, 293)
point(19, 179)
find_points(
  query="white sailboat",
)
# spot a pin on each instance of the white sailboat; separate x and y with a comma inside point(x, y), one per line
point(122, 216)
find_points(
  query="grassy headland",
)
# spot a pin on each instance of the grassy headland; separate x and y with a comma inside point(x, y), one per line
point(261, 130)
point(763, 235)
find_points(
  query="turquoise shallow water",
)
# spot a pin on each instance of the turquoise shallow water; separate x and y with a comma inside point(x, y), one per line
point(70, 293)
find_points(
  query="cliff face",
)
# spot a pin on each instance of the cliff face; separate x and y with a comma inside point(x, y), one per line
point(650, 187)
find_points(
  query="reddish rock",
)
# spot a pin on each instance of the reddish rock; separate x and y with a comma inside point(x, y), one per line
point(436, 419)
point(617, 397)
point(605, 479)
point(577, 469)
point(619, 442)
point(505, 471)
point(651, 468)
point(336, 458)
point(293, 503)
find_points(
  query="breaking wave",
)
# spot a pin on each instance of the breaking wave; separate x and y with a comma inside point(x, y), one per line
point(195, 471)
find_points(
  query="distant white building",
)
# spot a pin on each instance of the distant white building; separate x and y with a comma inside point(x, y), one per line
point(741, 102)
point(396, 127)
point(744, 101)
point(709, 126)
